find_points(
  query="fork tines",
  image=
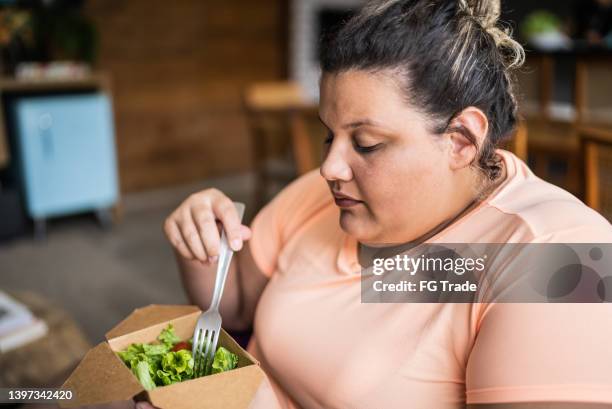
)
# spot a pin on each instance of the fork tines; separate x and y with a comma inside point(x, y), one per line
point(204, 342)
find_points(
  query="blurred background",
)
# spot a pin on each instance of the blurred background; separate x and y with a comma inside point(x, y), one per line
point(113, 112)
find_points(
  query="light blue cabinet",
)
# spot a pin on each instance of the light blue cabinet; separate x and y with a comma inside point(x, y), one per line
point(66, 153)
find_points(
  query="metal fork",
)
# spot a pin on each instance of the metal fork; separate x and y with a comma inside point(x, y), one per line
point(206, 334)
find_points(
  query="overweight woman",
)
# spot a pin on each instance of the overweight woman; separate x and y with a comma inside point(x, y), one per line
point(415, 94)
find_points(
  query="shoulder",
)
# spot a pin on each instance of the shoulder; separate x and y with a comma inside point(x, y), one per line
point(304, 196)
point(296, 204)
point(547, 211)
point(279, 220)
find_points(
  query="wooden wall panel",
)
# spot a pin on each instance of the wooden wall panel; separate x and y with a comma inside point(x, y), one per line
point(178, 69)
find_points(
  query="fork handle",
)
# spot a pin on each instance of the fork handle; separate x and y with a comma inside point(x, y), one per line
point(225, 258)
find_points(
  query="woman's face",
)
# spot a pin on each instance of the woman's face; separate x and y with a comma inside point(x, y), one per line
point(388, 173)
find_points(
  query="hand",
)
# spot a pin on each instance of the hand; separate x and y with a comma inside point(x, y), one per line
point(193, 228)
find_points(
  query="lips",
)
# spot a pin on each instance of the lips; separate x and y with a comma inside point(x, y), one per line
point(345, 201)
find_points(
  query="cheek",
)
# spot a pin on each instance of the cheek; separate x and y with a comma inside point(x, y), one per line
point(402, 181)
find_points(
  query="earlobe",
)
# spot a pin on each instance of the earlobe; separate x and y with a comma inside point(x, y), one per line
point(467, 133)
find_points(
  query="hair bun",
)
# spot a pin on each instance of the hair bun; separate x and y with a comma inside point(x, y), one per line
point(486, 13)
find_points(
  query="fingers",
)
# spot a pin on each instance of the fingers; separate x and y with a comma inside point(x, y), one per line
point(173, 233)
point(225, 211)
point(204, 220)
point(191, 235)
point(192, 227)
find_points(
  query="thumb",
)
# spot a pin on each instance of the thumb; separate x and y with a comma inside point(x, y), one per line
point(246, 232)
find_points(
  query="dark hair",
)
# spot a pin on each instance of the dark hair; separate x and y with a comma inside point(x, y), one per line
point(450, 54)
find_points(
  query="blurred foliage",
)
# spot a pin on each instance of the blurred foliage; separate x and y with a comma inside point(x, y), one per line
point(46, 30)
point(540, 22)
point(14, 23)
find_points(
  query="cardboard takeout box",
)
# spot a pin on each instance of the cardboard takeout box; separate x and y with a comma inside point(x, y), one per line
point(102, 377)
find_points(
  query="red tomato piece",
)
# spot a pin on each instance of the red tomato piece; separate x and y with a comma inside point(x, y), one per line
point(182, 345)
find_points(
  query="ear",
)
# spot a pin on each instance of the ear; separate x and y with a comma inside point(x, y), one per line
point(463, 151)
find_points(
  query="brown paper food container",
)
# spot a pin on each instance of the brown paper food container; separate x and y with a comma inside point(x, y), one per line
point(101, 377)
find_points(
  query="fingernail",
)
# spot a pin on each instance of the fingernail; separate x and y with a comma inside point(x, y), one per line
point(214, 259)
point(141, 405)
point(236, 244)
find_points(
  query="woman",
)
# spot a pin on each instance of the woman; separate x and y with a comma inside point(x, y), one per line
point(416, 94)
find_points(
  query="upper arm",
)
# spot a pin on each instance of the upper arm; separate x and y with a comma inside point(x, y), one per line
point(542, 353)
point(252, 281)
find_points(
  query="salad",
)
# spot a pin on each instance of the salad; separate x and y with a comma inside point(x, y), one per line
point(169, 360)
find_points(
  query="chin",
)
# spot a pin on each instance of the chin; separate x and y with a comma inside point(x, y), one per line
point(355, 226)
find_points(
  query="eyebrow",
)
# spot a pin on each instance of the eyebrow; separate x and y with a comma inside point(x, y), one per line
point(357, 124)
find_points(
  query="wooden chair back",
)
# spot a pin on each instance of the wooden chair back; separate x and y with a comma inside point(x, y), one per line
point(596, 148)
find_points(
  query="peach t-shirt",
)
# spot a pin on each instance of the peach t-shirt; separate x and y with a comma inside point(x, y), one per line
point(322, 348)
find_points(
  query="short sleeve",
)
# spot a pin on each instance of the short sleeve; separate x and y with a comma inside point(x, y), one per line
point(280, 218)
point(542, 353)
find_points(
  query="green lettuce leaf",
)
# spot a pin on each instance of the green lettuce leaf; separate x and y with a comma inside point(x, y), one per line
point(184, 362)
point(176, 367)
point(155, 349)
point(143, 374)
point(224, 361)
point(157, 365)
point(168, 337)
point(164, 377)
point(131, 352)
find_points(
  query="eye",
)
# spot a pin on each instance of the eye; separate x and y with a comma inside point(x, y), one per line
point(362, 142)
point(367, 149)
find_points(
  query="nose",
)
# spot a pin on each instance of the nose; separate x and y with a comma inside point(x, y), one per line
point(335, 166)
